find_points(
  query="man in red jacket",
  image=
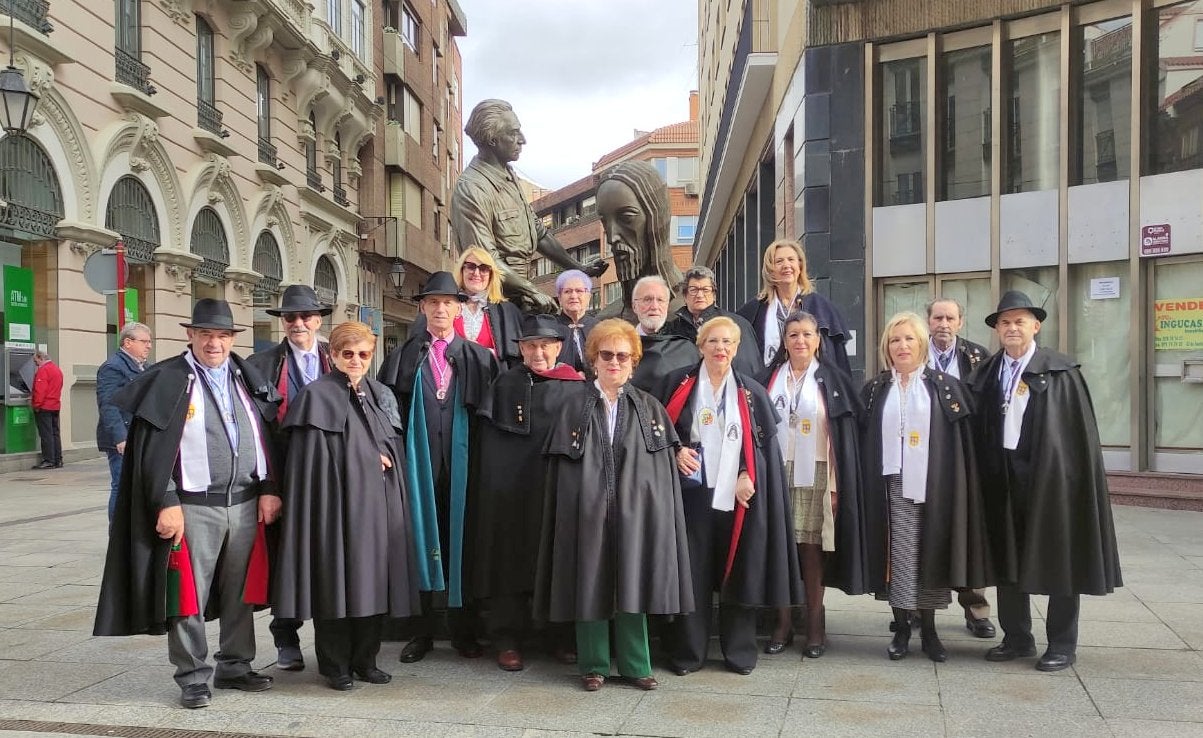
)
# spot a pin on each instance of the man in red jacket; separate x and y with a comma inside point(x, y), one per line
point(47, 401)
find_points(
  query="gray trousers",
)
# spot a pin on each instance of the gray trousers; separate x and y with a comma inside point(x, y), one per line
point(219, 547)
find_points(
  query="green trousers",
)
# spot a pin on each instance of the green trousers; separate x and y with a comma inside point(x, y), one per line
point(630, 633)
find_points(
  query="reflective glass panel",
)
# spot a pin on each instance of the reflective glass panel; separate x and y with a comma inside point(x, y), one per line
point(902, 114)
point(1032, 138)
point(965, 124)
point(1175, 117)
point(1103, 103)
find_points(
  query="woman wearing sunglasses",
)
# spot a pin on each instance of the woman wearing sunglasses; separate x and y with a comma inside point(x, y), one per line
point(615, 548)
point(488, 319)
point(344, 553)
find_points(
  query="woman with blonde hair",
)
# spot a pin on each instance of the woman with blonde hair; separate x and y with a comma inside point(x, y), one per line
point(488, 318)
point(786, 288)
point(921, 478)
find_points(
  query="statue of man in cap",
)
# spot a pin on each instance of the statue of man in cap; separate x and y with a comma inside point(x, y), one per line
point(195, 487)
point(488, 209)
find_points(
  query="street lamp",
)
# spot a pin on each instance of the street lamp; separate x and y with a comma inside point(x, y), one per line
point(396, 275)
point(17, 103)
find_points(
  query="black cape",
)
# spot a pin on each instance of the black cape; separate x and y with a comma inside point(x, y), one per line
point(765, 571)
point(831, 325)
point(1066, 544)
point(505, 322)
point(953, 550)
point(849, 567)
point(344, 546)
point(664, 354)
point(133, 595)
point(747, 359)
point(569, 355)
point(614, 532)
point(475, 367)
point(517, 414)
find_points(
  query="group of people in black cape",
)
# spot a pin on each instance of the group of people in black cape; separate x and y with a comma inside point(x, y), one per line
point(560, 478)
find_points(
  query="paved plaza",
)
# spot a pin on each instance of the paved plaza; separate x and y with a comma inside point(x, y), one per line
point(1139, 670)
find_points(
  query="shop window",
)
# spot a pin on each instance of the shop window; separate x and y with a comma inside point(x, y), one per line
point(1103, 101)
point(1032, 135)
point(1040, 284)
point(1100, 305)
point(965, 127)
point(899, 297)
point(902, 111)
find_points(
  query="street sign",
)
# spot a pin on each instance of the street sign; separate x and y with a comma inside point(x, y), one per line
point(100, 272)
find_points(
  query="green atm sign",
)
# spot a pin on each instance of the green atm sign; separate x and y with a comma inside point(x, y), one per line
point(18, 304)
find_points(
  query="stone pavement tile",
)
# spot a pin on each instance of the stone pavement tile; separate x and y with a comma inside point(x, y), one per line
point(461, 730)
point(838, 719)
point(37, 680)
point(833, 599)
point(1127, 635)
point(1197, 561)
point(684, 714)
point(13, 591)
point(320, 726)
point(1013, 693)
point(1125, 728)
point(973, 721)
point(75, 595)
point(51, 711)
point(560, 707)
point(25, 644)
point(77, 619)
point(1139, 663)
point(531, 733)
point(1118, 610)
point(1169, 570)
point(126, 651)
point(1181, 593)
point(50, 576)
point(1185, 619)
point(14, 615)
point(1184, 546)
point(1142, 699)
point(916, 683)
point(43, 559)
point(773, 677)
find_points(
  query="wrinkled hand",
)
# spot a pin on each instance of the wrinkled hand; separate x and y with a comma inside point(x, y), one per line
point(121, 448)
point(269, 508)
point(385, 463)
point(744, 489)
point(596, 268)
point(688, 461)
point(171, 523)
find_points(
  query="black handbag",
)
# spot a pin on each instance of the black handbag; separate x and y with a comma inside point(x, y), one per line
point(697, 480)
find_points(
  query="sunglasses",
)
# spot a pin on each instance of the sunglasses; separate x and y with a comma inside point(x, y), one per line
point(293, 317)
point(363, 355)
point(608, 356)
point(470, 266)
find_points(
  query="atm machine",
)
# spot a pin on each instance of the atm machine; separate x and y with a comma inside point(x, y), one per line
point(18, 432)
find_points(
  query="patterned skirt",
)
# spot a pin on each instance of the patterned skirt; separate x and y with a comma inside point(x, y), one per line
point(906, 531)
point(808, 504)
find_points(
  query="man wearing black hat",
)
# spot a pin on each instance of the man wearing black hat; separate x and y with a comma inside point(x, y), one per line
point(440, 380)
point(509, 518)
point(1047, 507)
point(291, 365)
point(196, 482)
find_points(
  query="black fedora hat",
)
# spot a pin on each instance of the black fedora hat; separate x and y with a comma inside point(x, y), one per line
point(535, 327)
point(212, 314)
point(1015, 300)
point(442, 283)
point(299, 298)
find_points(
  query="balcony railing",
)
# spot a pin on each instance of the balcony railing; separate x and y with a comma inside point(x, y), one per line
point(30, 12)
point(131, 71)
point(208, 117)
point(1104, 142)
point(27, 222)
point(340, 195)
point(267, 152)
point(314, 179)
point(906, 121)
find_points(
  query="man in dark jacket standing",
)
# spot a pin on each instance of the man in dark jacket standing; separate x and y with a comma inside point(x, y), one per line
point(47, 401)
point(112, 426)
point(1048, 514)
point(701, 304)
point(291, 365)
point(664, 353)
point(196, 485)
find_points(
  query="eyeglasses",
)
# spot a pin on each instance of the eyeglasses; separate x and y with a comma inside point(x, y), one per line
point(652, 300)
point(363, 355)
point(608, 356)
point(471, 266)
point(144, 341)
point(573, 291)
point(699, 291)
point(293, 317)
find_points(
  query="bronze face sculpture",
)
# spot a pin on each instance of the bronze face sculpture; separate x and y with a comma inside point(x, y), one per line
point(489, 210)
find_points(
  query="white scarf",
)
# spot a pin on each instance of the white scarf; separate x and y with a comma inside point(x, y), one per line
point(717, 425)
point(772, 328)
point(797, 428)
point(194, 447)
point(1017, 400)
point(905, 431)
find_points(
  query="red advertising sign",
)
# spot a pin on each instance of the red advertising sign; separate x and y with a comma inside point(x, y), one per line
point(1155, 240)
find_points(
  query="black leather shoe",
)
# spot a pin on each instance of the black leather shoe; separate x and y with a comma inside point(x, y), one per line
point(1006, 652)
point(248, 682)
point(1055, 661)
point(58, 465)
point(342, 682)
point(44, 465)
point(416, 650)
point(934, 648)
point(741, 670)
point(289, 658)
point(373, 675)
point(899, 645)
point(470, 649)
point(980, 627)
point(195, 695)
point(814, 651)
point(773, 647)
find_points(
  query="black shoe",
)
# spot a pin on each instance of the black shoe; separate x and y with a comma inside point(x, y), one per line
point(934, 648)
point(774, 647)
point(416, 650)
point(1006, 652)
point(342, 682)
point(682, 670)
point(44, 465)
point(468, 649)
point(814, 651)
point(195, 695)
point(248, 682)
point(741, 670)
point(372, 675)
point(289, 658)
point(980, 627)
point(900, 644)
point(58, 465)
point(1055, 661)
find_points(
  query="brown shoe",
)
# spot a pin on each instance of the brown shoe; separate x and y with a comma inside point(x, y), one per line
point(646, 683)
point(592, 682)
point(510, 660)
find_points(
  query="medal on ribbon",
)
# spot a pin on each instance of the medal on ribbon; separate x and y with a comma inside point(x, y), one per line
point(733, 432)
point(806, 426)
point(913, 439)
point(706, 416)
point(1021, 389)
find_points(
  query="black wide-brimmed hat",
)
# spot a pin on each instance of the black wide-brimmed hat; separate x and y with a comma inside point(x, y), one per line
point(212, 314)
point(299, 298)
point(535, 327)
point(442, 283)
point(1015, 300)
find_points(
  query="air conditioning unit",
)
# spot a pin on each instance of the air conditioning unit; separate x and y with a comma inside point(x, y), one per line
point(691, 189)
point(572, 219)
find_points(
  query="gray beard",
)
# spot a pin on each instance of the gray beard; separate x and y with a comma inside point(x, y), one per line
point(652, 325)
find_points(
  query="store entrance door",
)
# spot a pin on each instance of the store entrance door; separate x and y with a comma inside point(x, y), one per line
point(1176, 396)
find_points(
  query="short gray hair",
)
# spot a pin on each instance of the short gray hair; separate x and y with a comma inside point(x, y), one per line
point(41, 355)
point(655, 279)
point(130, 330)
point(960, 308)
point(697, 272)
point(484, 123)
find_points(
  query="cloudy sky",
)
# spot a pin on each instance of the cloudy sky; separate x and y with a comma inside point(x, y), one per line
point(582, 75)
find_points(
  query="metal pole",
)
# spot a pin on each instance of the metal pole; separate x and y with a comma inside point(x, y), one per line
point(120, 285)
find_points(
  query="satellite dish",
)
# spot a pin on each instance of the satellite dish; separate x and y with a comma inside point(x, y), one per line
point(100, 272)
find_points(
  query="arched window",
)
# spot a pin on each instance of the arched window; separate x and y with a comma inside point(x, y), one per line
point(132, 213)
point(325, 280)
point(30, 187)
point(209, 243)
point(266, 261)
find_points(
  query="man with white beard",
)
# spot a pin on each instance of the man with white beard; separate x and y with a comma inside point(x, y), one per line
point(663, 353)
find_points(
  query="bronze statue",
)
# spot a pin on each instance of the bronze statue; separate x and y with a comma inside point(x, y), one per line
point(488, 209)
point(632, 201)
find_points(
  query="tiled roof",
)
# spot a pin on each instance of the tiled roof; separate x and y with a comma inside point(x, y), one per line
point(685, 132)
